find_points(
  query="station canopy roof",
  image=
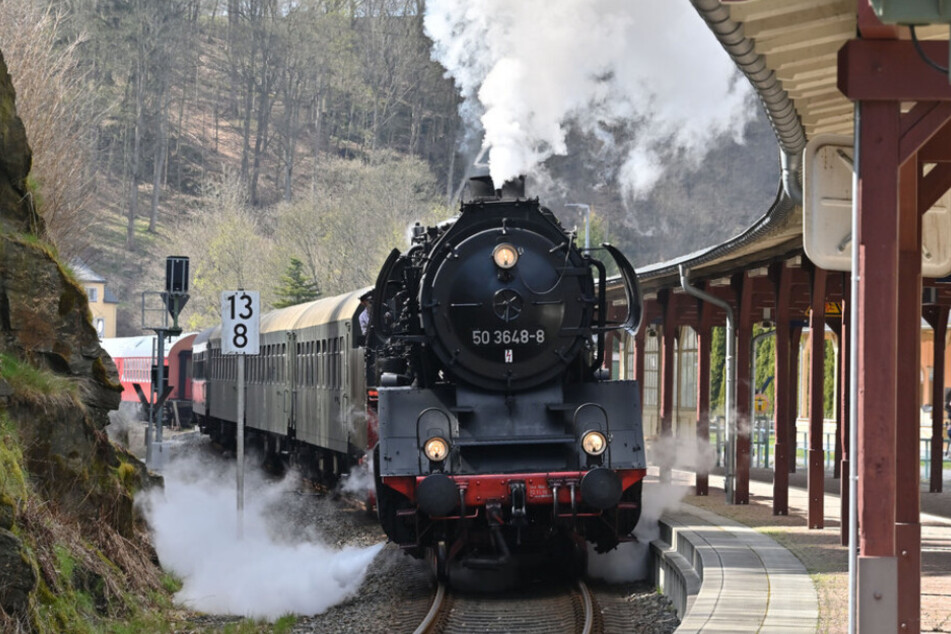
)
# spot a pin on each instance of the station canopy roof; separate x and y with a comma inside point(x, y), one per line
point(789, 51)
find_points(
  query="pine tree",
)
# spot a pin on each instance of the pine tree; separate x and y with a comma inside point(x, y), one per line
point(295, 287)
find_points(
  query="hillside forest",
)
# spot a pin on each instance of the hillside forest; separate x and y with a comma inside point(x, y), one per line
point(278, 142)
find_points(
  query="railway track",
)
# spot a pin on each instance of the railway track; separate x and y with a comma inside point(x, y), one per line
point(553, 610)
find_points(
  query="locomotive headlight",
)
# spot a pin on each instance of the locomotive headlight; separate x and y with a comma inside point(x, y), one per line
point(436, 449)
point(505, 256)
point(594, 443)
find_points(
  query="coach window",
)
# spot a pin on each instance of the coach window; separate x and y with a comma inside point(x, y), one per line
point(341, 347)
point(335, 373)
point(312, 362)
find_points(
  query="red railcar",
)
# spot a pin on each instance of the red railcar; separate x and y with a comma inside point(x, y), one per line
point(135, 358)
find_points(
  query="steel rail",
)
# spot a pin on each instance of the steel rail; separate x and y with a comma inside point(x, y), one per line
point(430, 620)
point(588, 607)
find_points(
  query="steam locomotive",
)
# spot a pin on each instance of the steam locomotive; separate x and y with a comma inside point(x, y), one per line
point(497, 429)
point(477, 389)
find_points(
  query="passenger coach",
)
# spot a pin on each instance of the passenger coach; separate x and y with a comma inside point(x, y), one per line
point(305, 390)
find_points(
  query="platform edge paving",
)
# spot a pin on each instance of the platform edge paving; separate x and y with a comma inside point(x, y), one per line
point(747, 581)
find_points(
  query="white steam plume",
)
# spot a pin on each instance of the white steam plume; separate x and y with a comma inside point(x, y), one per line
point(650, 69)
point(264, 575)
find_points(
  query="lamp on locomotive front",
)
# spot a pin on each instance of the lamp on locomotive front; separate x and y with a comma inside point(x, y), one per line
point(505, 256)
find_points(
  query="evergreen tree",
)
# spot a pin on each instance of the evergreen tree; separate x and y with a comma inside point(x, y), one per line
point(718, 369)
point(828, 387)
point(295, 287)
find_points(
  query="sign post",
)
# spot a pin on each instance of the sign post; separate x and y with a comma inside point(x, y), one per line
point(240, 329)
point(174, 299)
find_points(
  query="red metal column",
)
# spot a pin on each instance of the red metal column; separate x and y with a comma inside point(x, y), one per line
point(817, 347)
point(845, 405)
point(665, 298)
point(782, 277)
point(704, 336)
point(937, 316)
point(744, 391)
point(908, 369)
point(877, 341)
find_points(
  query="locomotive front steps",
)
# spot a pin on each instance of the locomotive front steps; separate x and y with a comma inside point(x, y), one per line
point(724, 576)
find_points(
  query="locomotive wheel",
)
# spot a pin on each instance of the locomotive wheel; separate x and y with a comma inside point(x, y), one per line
point(440, 560)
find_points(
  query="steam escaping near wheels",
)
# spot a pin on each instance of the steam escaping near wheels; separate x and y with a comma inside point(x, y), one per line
point(279, 567)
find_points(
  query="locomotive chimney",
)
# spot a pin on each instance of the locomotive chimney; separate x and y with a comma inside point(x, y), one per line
point(482, 187)
point(514, 188)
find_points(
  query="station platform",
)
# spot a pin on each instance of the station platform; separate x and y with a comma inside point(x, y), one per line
point(750, 582)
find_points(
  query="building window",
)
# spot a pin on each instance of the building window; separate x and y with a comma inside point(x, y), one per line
point(100, 327)
point(687, 360)
point(651, 371)
point(93, 293)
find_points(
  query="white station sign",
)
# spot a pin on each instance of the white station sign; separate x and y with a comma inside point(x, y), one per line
point(240, 322)
point(827, 211)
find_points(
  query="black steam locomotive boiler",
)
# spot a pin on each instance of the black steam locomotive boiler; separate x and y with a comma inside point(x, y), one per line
point(499, 432)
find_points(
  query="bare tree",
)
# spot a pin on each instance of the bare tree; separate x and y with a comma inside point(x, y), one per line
point(364, 210)
point(59, 116)
point(229, 248)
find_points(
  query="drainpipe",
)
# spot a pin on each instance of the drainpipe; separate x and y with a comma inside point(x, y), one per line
point(779, 107)
point(730, 417)
point(792, 184)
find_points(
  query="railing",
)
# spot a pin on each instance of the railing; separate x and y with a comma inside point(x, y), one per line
point(762, 445)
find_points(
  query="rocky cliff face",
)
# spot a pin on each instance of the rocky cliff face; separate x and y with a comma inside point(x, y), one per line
point(15, 158)
point(66, 459)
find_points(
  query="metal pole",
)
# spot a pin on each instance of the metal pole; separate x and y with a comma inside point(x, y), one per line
point(240, 446)
point(148, 431)
point(160, 379)
point(587, 226)
point(854, 383)
point(587, 222)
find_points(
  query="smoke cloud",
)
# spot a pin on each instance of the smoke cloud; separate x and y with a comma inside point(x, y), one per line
point(266, 574)
point(647, 79)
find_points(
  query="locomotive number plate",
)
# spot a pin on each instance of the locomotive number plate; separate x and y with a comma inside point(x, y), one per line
point(508, 337)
